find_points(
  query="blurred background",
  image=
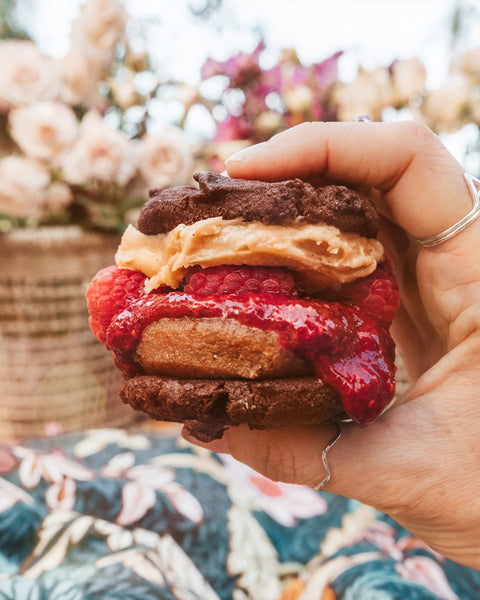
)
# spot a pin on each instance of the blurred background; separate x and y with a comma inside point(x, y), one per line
point(101, 100)
point(213, 75)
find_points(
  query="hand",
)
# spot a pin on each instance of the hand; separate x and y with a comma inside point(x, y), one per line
point(420, 462)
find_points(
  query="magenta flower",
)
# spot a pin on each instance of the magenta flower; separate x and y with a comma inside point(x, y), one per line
point(233, 128)
point(240, 69)
point(289, 91)
point(326, 72)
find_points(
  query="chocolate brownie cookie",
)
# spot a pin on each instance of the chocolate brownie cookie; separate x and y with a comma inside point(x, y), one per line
point(269, 307)
point(270, 203)
point(207, 406)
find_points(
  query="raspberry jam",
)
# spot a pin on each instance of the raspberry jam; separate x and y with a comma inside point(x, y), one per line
point(348, 348)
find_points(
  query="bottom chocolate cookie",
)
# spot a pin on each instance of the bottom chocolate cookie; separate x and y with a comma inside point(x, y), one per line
point(207, 406)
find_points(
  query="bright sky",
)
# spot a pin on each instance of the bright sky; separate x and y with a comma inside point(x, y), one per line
point(370, 32)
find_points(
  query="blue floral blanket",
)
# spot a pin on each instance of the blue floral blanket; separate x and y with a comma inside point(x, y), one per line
point(134, 515)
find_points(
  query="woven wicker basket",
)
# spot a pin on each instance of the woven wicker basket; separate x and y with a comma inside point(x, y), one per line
point(54, 375)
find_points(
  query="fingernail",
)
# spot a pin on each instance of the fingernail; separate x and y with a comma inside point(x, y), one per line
point(245, 153)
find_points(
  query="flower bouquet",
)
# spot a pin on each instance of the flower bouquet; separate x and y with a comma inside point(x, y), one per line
point(256, 97)
point(256, 101)
point(76, 161)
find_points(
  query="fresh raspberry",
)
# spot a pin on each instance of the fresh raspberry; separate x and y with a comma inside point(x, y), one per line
point(377, 293)
point(232, 279)
point(109, 292)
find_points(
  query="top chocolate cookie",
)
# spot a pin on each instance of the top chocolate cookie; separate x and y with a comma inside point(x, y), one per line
point(278, 203)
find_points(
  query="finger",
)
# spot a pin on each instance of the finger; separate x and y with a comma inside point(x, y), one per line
point(420, 180)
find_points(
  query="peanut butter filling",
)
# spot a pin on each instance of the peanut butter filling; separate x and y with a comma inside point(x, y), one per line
point(321, 254)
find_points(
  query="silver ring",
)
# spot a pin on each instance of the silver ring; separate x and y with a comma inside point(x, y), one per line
point(473, 185)
point(362, 119)
point(328, 447)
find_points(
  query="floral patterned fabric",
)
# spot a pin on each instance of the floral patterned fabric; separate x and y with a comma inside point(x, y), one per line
point(120, 515)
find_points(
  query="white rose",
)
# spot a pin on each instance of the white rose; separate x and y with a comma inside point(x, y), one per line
point(409, 78)
point(268, 122)
point(43, 130)
point(298, 98)
point(100, 153)
point(446, 109)
point(26, 75)
point(468, 63)
point(99, 28)
point(368, 94)
point(23, 187)
point(124, 93)
point(80, 76)
point(165, 158)
point(59, 195)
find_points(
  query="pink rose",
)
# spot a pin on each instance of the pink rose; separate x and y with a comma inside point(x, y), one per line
point(368, 94)
point(446, 109)
point(165, 158)
point(59, 196)
point(468, 63)
point(99, 28)
point(23, 187)
point(80, 75)
point(409, 77)
point(26, 75)
point(43, 130)
point(100, 153)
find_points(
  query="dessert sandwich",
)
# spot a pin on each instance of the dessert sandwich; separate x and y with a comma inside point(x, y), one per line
point(246, 302)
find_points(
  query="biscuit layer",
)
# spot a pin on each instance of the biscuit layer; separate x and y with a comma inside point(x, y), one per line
point(208, 406)
point(272, 203)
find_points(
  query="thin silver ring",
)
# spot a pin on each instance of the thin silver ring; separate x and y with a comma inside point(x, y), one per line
point(362, 119)
point(473, 187)
point(328, 447)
